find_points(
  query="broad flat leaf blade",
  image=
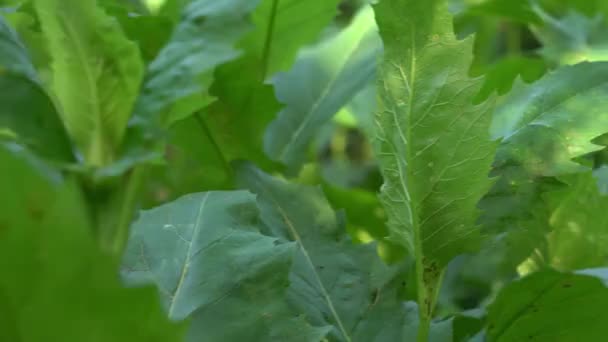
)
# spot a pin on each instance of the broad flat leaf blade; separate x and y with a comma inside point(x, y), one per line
point(544, 125)
point(323, 80)
point(550, 306)
point(211, 264)
point(431, 141)
point(332, 281)
point(56, 284)
point(96, 74)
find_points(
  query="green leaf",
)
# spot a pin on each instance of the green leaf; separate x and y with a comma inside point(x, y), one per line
point(332, 281)
point(14, 57)
point(323, 80)
point(543, 126)
point(282, 28)
point(573, 38)
point(179, 77)
point(246, 103)
point(57, 285)
point(206, 255)
point(26, 109)
point(550, 306)
point(579, 238)
point(431, 142)
point(96, 74)
point(499, 77)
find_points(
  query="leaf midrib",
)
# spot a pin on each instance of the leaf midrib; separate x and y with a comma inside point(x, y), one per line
point(186, 266)
point(92, 86)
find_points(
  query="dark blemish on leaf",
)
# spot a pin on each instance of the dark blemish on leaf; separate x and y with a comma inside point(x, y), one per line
point(403, 283)
point(566, 285)
point(491, 326)
point(374, 296)
point(321, 267)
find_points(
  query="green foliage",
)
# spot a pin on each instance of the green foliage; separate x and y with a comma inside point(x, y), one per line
point(96, 74)
point(57, 284)
point(308, 170)
point(337, 70)
point(550, 306)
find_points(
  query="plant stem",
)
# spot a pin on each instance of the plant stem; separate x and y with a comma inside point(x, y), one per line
point(424, 324)
point(203, 124)
point(428, 286)
point(268, 40)
point(121, 234)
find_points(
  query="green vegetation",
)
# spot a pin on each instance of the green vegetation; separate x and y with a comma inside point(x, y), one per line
point(290, 170)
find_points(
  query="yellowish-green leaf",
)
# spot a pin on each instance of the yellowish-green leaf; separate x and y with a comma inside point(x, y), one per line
point(96, 74)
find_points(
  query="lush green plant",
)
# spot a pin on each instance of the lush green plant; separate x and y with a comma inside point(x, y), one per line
point(289, 170)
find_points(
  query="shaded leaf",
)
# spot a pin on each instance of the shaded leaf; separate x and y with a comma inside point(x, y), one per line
point(323, 80)
point(210, 262)
point(332, 281)
point(26, 110)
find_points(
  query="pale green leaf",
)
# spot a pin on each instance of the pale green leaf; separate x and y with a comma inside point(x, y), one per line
point(323, 80)
point(432, 143)
point(544, 125)
point(96, 74)
point(579, 238)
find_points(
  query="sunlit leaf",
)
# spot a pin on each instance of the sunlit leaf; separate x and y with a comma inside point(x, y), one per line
point(96, 74)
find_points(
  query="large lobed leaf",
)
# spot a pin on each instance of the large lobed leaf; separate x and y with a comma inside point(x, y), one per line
point(96, 74)
point(332, 281)
point(276, 270)
point(56, 284)
point(431, 141)
point(544, 125)
point(210, 262)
